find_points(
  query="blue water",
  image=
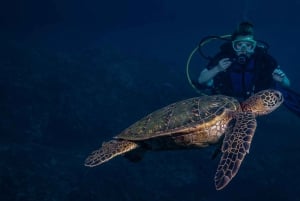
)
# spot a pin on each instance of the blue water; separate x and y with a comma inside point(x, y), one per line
point(76, 73)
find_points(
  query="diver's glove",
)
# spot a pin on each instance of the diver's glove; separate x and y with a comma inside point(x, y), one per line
point(223, 64)
point(279, 76)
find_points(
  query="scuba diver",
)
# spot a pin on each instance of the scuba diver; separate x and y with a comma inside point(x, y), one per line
point(242, 67)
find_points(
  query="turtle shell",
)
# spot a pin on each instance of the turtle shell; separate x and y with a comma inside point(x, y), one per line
point(180, 117)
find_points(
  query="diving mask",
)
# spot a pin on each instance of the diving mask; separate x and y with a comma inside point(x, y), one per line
point(244, 45)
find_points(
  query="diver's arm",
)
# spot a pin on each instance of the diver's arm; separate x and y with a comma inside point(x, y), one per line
point(208, 74)
point(280, 77)
point(286, 82)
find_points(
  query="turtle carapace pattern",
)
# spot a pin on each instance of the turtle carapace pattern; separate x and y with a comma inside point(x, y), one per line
point(195, 123)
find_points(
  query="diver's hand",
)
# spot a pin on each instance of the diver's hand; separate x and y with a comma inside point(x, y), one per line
point(223, 64)
point(278, 75)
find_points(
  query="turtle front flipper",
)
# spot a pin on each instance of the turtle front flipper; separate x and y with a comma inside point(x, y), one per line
point(234, 148)
point(108, 151)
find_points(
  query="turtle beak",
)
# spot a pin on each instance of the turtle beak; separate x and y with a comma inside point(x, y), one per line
point(279, 96)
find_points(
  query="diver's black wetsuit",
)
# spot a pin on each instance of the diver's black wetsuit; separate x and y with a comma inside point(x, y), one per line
point(242, 80)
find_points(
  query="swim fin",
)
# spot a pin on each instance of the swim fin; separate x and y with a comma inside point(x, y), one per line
point(291, 99)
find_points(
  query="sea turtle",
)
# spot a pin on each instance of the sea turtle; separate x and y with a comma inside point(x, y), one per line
point(195, 123)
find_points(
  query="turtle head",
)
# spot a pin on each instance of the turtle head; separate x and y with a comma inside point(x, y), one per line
point(263, 102)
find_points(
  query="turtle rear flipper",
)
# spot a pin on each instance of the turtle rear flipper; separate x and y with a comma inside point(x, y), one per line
point(135, 155)
point(235, 146)
point(108, 151)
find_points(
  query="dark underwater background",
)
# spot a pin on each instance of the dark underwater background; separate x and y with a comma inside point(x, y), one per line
point(76, 73)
